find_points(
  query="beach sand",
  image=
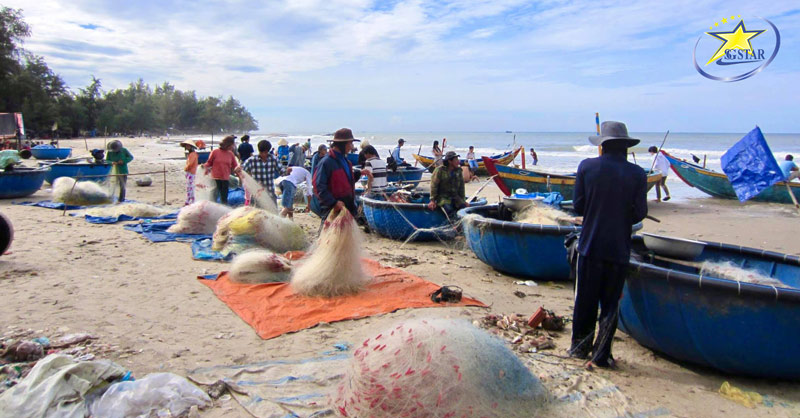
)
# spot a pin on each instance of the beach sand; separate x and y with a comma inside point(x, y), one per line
point(64, 275)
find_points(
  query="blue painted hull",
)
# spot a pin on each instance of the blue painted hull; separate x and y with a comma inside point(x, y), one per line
point(51, 153)
point(21, 182)
point(718, 185)
point(518, 249)
point(77, 169)
point(202, 156)
point(399, 221)
point(405, 174)
point(737, 328)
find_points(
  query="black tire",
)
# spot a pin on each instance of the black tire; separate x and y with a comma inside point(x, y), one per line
point(6, 233)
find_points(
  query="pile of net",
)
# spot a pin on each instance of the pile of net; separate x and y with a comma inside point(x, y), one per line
point(258, 193)
point(730, 271)
point(333, 265)
point(205, 187)
point(250, 227)
point(542, 215)
point(136, 210)
point(437, 368)
point(199, 218)
point(82, 193)
point(259, 266)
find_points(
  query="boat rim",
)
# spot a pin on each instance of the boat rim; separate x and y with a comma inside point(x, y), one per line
point(376, 203)
point(511, 225)
point(668, 238)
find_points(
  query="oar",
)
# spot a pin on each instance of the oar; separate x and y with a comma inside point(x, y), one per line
point(415, 159)
point(474, 195)
point(794, 199)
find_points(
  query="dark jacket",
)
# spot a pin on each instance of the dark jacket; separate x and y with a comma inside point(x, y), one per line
point(334, 180)
point(611, 194)
point(245, 151)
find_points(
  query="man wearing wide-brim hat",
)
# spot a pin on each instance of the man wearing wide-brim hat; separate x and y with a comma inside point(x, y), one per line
point(611, 195)
point(447, 185)
point(334, 180)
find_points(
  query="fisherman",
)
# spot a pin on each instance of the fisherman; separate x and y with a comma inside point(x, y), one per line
point(334, 179)
point(534, 157)
point(297, 155)
point(245, 150)
point(789, 168)
point(611, 195)
point(322, 150)
point(447, 186)
point(283, 152)
point(396, 160)
point(662, 165)
point(264, 168)
point(362, 156)
point(221, 162)
point(375, 170)
point(119, 157)
point(288, 185)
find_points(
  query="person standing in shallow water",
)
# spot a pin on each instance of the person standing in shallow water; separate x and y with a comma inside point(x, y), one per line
point(119, 157)
point(611, 195)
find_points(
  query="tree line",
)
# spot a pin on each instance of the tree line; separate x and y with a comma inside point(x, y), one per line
point(29, 86)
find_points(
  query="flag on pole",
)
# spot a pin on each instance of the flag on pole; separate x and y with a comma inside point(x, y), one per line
point(750, 165)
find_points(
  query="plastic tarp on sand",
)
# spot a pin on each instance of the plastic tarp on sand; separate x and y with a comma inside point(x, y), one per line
point(157, 232)
point(273, 309)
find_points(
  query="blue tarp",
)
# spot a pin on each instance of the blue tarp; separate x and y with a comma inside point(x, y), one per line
point(235, 197)
point(750, 165)
point(157, 232)
point(122, 218)
point(49, 204)
point(551, 198)
point(201, 250)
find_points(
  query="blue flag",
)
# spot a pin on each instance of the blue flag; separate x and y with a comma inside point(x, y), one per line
point(750, 165)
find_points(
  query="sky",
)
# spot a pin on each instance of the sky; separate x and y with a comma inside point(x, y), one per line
point(417, 66)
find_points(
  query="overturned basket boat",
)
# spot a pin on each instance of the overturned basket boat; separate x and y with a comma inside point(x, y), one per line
point(516, 248)
point(735, 327)
point(400, 221)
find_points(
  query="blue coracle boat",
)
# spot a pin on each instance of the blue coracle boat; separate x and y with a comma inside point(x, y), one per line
point(202, 156)
point(77, 169)
point(718, 185)
point(735, 327)
point(405, 175)
point(400, 221)
point(51, 153)
point(21, 182)
point(515, 248)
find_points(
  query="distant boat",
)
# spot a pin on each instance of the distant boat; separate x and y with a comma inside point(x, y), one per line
point(499, 159)
point(718, 185)
point(509, 132)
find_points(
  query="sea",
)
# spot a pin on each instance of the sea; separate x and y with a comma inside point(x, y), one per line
point(561, 152)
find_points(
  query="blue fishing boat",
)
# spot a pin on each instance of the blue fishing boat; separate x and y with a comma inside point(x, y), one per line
point(405, 175)
point(515, 248)
point(718, 185)
point(202, 156)
point(735, 327)
point(77, 169)
point(51, 153)
point(400, 221)
point(21, 182)
point(509, 179)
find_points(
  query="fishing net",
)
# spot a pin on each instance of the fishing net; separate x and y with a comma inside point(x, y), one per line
point(136, 210)
point(730, 271)
point(259, 266)
point(204, 186)
point(248, 227)
point(199, 218)
point(258, 193)
point(437, 368)
point(542, 215)
point(82, 193)
point(333, 266)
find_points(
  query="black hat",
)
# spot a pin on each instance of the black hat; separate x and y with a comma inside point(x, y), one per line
point(450, 155)
point(401, 141)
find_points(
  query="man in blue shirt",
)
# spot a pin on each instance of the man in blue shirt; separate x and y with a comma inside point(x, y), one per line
point(245, 150)
point(611, 194)
point(396, 153)
point(789, 168)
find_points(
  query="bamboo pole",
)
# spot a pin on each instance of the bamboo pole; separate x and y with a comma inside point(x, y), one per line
point(165, 184)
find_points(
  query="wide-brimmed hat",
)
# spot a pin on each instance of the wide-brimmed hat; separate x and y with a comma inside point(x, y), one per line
point(344, 135)
point(282, 142)
point(364, 144)
point(450, 155)
point(613, 130)
point(188, 143)
point(115, 145)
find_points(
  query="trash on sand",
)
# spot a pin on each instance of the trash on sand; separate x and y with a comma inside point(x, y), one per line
point(22, 351)
point(530, 283)
point(71, 339)
point(157, 394)
point(515, 329)
point(748, 399)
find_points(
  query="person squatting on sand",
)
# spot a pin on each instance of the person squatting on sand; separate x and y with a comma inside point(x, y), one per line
point(190, 169)
point(221, 164)
point(334, 180)
point(119, 157)
point(611, 194)
point(264, 168)
point(288, 184)
point(662, 165)
point(447, 186)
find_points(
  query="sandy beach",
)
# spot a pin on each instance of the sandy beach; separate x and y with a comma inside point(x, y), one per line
point(143, 302)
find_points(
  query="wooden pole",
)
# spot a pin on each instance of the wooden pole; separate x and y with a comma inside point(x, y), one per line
point(85, 143)
point(165, 184)
point(659, 152)
point(418, 151)
point(704, 160)
point(523, 158)
point(474, 195)
point(794, 199)
point(634, 157)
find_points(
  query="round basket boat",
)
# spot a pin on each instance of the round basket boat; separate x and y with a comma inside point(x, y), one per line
point(519, 249)
point(21, 182)
point(92, 171)
point(51, 153)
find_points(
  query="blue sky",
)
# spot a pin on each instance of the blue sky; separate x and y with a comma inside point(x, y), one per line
point(472, 65)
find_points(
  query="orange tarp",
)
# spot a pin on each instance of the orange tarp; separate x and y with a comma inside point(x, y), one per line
point(273, 309)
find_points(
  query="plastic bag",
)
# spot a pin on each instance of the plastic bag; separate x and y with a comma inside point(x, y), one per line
point(159, 394)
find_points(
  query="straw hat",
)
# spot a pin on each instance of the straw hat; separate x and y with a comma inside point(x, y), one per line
point(364, 144)
point(115, 146)
point(188, 143)
point(282, 142)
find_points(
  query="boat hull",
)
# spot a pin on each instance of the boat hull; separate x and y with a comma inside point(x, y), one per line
point(21, 182)
point(202, 156)
point(509, 179)
point(399, 221)
point(501, 159)
point(737, 328)
point(77, 169)
point(51, 153)
point(718, 185)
